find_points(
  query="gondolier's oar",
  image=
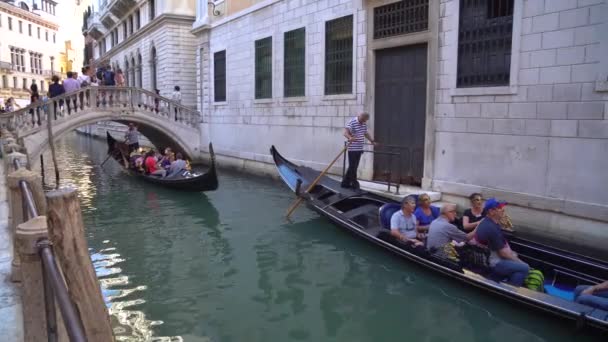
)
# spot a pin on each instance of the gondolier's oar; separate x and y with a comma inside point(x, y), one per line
point(312, 185)
point(109, 155)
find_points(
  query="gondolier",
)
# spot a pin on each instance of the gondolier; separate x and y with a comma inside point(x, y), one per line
point(132, 138)
point(355, 132)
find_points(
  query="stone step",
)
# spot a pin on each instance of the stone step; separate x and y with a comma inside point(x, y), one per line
point(381, 189)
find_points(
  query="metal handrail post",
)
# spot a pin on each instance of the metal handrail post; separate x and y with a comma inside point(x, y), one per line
point(49, 306)
point(71, 319)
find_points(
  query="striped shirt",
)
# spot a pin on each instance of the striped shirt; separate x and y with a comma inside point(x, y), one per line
point(357, 130)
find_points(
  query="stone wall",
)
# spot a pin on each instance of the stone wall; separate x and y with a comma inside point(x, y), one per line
point(175, 49)
point(538, 141)
point(307, 129)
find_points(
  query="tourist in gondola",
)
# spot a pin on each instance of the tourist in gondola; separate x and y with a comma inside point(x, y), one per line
point(425, 214)
point(132, 138)
point(472, 216)
point(442, 231)
point(404, 224)
point(167, 158)
point(152, 166)
point(504, 262)
point(177, 166)
point(355, 132)
point(595, 296)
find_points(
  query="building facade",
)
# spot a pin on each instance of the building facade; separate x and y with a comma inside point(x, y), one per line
point(504, 97)
point(28, 53)
point(150, 41)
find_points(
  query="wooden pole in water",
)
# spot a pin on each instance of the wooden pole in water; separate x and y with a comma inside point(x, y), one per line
point(50, 115)
point(42, 168)
point(312, 185)
point(66, 232)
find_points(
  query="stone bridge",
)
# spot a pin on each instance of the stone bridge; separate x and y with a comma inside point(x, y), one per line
point(162, 121)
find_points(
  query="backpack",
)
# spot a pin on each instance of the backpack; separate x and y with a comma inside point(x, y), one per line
point(108, 78)
point(535, 281)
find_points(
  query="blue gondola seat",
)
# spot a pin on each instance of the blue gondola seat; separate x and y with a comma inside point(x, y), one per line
point(386, 212)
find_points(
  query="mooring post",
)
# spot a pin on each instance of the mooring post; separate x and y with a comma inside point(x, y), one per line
point(32, 284)
point(18, 209)
point(66, 232)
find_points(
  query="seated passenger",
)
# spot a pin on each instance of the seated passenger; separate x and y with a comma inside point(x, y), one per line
point(404, 224)
point(425, 214)
point(167, 159)
point(504, 262)
point(442, 232)
point(177, 166)
point(472, 216)
point(595, 296)
point(151, 167)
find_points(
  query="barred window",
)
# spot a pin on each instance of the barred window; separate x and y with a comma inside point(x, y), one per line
point(263, 68)
point(484, 43)
point(294, 57)
point(219, 76)
point(339, 56)
point(401, 17)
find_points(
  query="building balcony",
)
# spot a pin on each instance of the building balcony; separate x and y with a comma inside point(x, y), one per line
point(7, 67)
point(121, 7)
point(92, 26)
point(108, 20)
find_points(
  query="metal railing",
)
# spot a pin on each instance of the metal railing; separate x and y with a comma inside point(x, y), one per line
point(388, 173)
point(54, 286)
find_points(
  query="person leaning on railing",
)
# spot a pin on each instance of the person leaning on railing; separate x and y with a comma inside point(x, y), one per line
point(56, 89)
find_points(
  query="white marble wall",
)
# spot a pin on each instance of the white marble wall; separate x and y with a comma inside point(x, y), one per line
point(307, 128)
point(537, 141)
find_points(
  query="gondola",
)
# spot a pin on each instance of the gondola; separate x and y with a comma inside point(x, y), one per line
point(367, 215)
point(185, 181)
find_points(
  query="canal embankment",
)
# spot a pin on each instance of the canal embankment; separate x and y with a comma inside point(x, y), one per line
point(11, 322)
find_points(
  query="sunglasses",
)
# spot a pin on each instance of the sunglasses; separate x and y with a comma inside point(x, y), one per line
point(478, 199)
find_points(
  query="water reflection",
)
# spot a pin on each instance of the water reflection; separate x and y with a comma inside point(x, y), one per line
point(225, 266)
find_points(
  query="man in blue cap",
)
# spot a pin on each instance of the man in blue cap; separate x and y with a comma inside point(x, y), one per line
point(504, 262)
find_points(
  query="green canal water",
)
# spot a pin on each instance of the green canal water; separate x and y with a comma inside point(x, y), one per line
point(226, 266)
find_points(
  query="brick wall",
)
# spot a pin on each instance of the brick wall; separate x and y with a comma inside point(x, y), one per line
point(542, 136)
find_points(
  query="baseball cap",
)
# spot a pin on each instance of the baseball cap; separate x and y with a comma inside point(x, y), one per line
point(493, 203)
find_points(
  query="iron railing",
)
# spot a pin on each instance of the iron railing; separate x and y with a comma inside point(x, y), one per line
point(54, 286)
point(388, 173)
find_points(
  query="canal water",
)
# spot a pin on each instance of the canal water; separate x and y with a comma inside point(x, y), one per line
point(226, 266)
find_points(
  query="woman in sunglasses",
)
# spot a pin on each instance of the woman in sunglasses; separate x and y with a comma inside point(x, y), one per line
point(425, 214)
point(472, 216)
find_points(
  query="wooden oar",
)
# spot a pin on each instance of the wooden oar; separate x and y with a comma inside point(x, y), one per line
point(109, 155)
point(312, 185)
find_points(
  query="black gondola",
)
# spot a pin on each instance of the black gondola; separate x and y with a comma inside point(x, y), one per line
point(366, 214)
point(183, 182)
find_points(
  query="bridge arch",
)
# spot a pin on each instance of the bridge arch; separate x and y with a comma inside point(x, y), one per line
point(162, 121)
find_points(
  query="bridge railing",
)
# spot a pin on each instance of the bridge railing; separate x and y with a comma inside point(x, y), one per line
point(113, 99)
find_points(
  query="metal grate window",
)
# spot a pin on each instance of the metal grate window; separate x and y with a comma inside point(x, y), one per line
point(484, 43)
point(401, 17)
point(219, 76)
point(294, 52)
point(263, 68)
point(339, 56)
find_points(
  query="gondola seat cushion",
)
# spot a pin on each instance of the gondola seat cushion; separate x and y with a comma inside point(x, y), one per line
point(386, 212)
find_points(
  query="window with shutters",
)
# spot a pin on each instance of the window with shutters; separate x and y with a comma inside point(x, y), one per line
point(219, 76)
point(484, 43)
point(339, 56)
point(294, 59)
point(263, 68)
point(401, 17)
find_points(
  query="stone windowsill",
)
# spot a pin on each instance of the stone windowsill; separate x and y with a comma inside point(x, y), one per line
point(339, 97)
point(601, 86)
point(220, 104)
point(263, 101)
point(480, 91)
point(295, 99)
